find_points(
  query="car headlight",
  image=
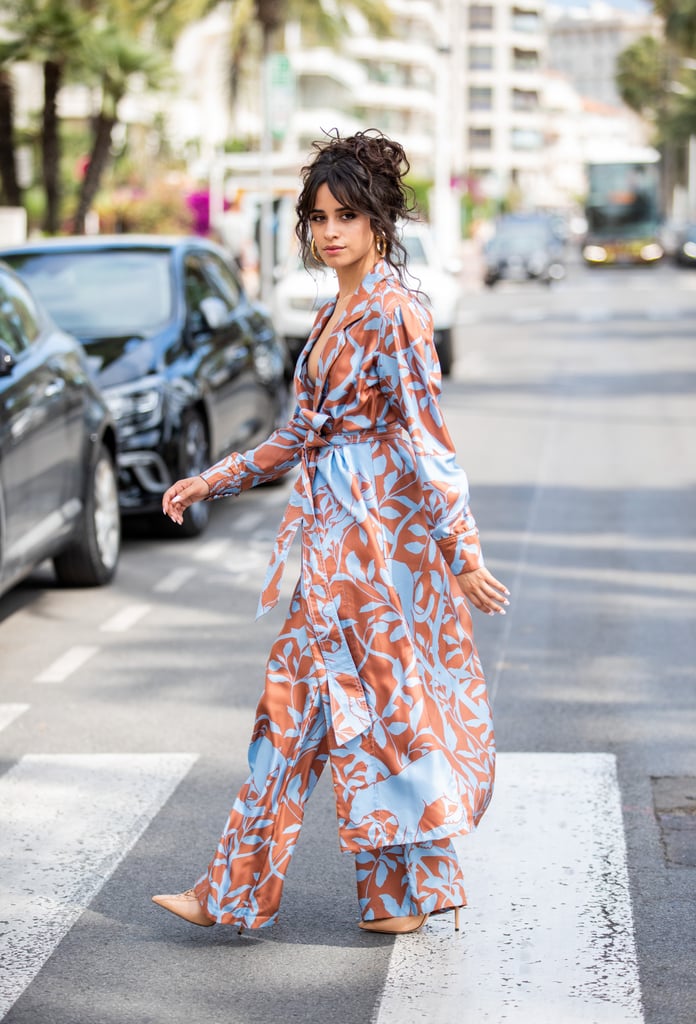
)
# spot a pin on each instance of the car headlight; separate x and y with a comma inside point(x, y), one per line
point(689, 249)
point(136, 405)
point(651, 251)
point(595, 253)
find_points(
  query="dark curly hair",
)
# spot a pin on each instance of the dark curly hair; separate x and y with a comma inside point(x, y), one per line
point(364, 172)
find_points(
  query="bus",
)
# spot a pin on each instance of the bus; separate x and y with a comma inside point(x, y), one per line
point(622, 208)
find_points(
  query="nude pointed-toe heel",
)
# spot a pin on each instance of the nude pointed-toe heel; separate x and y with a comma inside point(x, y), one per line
point(406, 924)
point(395, 925)
point(185, 905)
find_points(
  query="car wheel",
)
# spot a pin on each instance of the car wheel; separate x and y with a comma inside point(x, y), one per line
point(194, 457)
point(92, 559)
point(446, 352)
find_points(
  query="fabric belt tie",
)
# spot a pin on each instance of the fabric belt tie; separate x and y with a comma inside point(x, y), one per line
point(350, 715)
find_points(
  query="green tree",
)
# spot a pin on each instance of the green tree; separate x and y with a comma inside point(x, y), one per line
point(327, 23)
point(48, 32)
point(654, 78)
point(114, 58)
point(131, 42)
point(679, 17)
point(10, 192)
point(641, 75)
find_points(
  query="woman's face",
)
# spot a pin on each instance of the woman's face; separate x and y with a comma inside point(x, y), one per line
point(343, 237)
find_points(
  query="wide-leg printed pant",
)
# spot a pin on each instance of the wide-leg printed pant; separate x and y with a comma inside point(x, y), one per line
point(289, 749)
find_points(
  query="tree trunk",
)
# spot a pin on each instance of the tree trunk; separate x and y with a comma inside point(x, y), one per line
point(11, 192)
point(50, 144)
point(98, 159)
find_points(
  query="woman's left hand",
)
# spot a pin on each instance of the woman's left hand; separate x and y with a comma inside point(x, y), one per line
point(484, 591)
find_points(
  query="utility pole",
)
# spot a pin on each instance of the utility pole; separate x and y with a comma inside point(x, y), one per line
point(445, 220)
point(266, 246)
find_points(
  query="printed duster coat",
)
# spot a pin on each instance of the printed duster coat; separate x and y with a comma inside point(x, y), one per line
point(382, 507)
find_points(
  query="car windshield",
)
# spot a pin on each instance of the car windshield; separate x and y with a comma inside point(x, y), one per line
point(101, 294)
point(520, 238)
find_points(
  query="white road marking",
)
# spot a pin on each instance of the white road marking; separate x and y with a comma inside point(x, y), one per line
point(174, 580)
point(68, 663)
point(8, 713)
point(212, 551)
point(248, 521)
point(548, 935)
point(125, 619)
point(245, 561)
point(68, 820)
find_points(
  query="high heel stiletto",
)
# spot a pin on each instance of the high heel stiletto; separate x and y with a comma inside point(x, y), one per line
point(406, 924)
point(186, 905)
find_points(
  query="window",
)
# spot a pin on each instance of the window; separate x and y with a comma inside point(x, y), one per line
point(19, 317)
point(526, 138)
point(222, 277)
point(525, 21)
point(480, 97)
point(102, 293)
point(480, 138)
point(480, 16)
point(525, 99)
point(525, 60)
point(480, 58)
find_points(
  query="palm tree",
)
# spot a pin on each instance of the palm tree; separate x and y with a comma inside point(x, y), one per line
point(10, 190)
point(47, 31)
point(120, 49)
point(113, 58)
point(327, 22)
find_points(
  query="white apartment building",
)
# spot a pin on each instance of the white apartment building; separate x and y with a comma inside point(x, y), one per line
point(500, 56)
point(584, 43)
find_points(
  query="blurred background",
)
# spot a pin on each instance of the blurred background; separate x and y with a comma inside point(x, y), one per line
point(176, 116)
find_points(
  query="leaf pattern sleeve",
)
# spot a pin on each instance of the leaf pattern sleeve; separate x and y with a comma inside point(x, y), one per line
point(271, 459)
point(410, 379)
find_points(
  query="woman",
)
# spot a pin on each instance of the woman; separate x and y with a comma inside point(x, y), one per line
point(375, 667)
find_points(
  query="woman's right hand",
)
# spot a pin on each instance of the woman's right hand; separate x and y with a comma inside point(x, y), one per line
point(182, 494)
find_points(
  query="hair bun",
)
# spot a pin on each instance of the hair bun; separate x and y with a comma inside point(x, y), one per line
point(365, 172)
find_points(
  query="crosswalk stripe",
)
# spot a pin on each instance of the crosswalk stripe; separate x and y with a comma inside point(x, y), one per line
point(68, 820)
point(174, 580)
point(8, 713)
point(211, 551)
point(122, 621)
point(548, 936)
point(69, 662)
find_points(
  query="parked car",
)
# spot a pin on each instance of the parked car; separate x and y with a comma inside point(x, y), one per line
point(300, 292)
point(524, 247)
point(685, 247)
point(188, 365)
point(58, 487)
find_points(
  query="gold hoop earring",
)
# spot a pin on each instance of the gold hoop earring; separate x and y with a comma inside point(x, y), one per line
point(315, 252)
point(381, 245)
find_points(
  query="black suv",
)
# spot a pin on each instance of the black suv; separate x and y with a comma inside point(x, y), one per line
point(190, 367)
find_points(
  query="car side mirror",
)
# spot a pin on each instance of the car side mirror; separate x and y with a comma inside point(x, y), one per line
point(214, 312)
point(7, 361)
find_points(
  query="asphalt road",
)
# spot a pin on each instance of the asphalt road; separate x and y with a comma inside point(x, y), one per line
point(573, 411)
